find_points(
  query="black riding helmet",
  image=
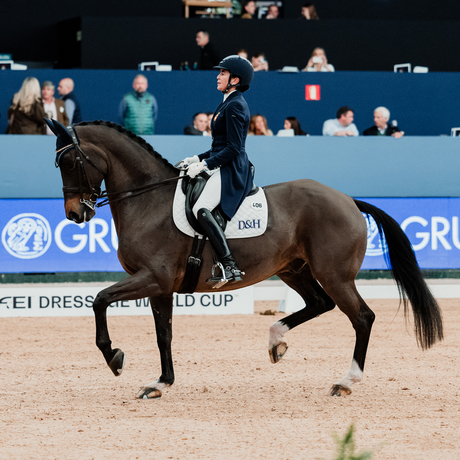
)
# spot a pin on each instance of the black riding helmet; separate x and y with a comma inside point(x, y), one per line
point(238, 67)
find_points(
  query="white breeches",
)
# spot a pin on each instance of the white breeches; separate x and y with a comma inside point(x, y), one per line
point(210, 196)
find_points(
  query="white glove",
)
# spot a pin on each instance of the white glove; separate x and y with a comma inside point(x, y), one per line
point(195, 169)
point(189, 160)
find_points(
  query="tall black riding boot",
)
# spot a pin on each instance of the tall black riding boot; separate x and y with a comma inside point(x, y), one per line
point(217, 238)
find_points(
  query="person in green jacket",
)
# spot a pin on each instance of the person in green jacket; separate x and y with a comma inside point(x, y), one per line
point(138, 109)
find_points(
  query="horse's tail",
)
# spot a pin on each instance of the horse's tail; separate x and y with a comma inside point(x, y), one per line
point(408, 276)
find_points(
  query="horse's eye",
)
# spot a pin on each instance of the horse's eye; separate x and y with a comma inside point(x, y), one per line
point(68, 161)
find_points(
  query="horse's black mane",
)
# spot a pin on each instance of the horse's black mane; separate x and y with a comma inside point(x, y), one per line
point(145, 145)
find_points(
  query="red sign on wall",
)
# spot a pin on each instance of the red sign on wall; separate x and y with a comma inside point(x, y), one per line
point(312, 92)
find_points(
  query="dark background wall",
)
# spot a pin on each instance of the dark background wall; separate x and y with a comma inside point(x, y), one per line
point(350, 44)
point(357, 35)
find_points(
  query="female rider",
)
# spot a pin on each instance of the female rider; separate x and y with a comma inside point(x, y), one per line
point(226, 163)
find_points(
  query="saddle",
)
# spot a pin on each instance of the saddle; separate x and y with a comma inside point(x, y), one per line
point(192, 189)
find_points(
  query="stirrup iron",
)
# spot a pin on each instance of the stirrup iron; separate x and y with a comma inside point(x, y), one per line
point(223, 280)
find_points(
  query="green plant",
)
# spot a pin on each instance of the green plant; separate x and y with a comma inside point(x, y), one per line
point(346, 447)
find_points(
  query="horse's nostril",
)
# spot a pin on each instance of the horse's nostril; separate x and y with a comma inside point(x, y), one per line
point(73, 216)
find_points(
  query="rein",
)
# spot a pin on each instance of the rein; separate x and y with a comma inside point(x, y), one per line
point(132, 192)
point(84, 183)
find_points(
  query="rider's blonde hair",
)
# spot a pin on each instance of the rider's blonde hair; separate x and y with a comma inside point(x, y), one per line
point(27, 95)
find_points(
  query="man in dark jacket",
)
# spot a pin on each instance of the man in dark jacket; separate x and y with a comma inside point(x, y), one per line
point(208, 55)
point(199, 125)
point(381, 126)
point(72, 106)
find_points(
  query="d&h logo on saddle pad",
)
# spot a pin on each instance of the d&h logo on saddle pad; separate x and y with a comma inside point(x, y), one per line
point(250, 220)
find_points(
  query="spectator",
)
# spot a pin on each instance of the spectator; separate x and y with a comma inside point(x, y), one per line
point(208, 124)
point(199, 125)
point(54, 108)
point(272, 12)
point(208, 55)
point(293, 123)
point(249, 9)
point(258, 126)
point(72, 106)
point(381, 126)
point(342, 125)
point(309, 11)
point(318, 62)
point(26, 113)
point(243, 53)
point(259, 62)
point(138, 109)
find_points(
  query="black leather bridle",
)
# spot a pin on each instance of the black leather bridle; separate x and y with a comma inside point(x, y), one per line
point(84, 184)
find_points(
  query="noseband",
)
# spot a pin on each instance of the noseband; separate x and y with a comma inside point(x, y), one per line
point(84, 184)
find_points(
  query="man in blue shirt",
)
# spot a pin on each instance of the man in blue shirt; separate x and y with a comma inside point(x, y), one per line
point(342, 125)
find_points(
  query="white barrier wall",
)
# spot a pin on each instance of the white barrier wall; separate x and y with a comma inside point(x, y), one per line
point(49, 301)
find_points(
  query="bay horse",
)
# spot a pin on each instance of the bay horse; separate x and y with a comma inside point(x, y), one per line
point(315, 242)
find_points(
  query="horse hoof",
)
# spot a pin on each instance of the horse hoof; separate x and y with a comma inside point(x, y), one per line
point(277, 352)
point(149, 393)
point(340, 390)
point(117, 362)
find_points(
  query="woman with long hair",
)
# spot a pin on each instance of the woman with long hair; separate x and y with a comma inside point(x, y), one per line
point(318, 62)
point(293, 123)
point(26, 113)
point(309, 11)
point(258, 126)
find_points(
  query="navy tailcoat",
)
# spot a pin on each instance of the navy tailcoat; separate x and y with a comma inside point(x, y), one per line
point(229, 127)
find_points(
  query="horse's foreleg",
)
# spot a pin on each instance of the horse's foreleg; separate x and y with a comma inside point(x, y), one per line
point(162, 313)
point(316, 300)
point(134, 287)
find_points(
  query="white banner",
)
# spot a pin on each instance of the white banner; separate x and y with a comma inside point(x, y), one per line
point(46, 301)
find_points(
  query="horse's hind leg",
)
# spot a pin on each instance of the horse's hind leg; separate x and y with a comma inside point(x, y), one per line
point(316, 300)
point(162, 308)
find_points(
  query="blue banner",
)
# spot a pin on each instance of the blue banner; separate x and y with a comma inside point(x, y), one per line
point(37, 238)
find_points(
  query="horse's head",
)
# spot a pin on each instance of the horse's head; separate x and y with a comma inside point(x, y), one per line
point(81, 175)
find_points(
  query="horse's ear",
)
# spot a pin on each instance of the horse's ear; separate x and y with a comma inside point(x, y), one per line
point(51, 125)
point(63, 136)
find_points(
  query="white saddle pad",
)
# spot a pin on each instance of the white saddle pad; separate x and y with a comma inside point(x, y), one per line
point(250, 220)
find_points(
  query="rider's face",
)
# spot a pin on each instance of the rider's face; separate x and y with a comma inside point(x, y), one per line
point(222, 79)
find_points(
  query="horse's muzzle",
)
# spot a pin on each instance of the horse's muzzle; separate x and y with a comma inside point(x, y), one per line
point(77, 211)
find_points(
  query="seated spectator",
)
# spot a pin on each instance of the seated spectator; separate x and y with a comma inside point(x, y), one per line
point(309, 11)
point(258, 126)
point(249, 10)
point(243, 53)
point(208, 124)
point(54, 108)
point(293, 123)
point(381, 126)
point(272, 12)
point(198, 126)
point(259, 62)
point(26, 113)
point(318, 62)
point(342, 125)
